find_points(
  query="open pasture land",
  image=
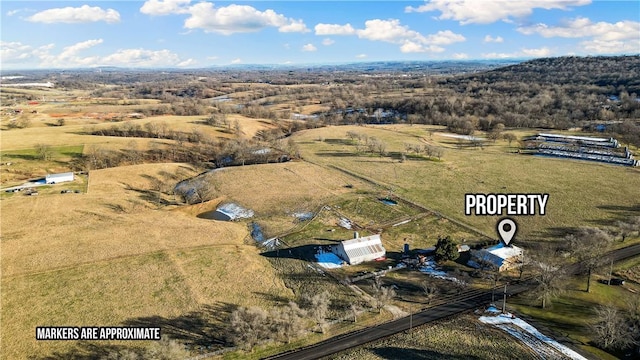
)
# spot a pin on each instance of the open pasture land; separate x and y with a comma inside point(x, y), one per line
point(278, 191)
point(462, 337)
point(18, 166)
point(580, 193)
point(112, 257)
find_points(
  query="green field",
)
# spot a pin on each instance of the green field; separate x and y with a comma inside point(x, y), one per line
point(580, 193)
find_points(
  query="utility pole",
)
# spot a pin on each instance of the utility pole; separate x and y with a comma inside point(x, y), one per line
point(504, 299)
point(610, 272)
point(410, 318)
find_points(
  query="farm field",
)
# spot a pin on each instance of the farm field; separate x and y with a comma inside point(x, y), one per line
point(581, 193)
point(71, 259)
point(123, 245)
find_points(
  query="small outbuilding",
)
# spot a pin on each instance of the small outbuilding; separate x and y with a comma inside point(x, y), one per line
point(360, 249)
point(58, 178)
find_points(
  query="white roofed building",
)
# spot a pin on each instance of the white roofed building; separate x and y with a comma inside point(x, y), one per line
point(58, 178)
point(360, 249)
point(500, 256)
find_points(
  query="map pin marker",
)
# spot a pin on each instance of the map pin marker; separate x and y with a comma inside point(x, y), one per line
point(506, 230)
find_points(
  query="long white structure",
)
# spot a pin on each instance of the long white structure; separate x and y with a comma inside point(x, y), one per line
point(360, 249)
point(58, 178)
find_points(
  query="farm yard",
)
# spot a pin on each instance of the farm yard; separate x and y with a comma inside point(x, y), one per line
point(131, 240)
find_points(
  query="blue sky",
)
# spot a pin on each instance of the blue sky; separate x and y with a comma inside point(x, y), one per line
point(202, 33)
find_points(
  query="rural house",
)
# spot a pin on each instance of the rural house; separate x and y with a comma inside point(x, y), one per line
point(58, 178)
point(500, 256)
point(360, 249)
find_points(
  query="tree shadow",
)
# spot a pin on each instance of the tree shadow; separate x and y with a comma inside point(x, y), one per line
point(618, 212)
point(276, 299)
point(87, 351)
point(205, 328)
point(556, 232)
point(202, 330)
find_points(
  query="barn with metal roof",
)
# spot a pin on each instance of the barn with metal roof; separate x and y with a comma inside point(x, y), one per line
point(360, 249)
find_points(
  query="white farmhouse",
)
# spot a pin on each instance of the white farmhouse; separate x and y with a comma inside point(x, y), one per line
point(360, 249)
point(58, 178)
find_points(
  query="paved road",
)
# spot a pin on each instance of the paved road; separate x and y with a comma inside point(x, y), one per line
point(468, 300)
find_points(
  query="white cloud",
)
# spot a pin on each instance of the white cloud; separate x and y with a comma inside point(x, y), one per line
point(214, 57)
point(410, 41)
point(309, 47)
point(238, 19)
point(142, 58)
point(460, 56)
point(334, 29)
point(497, 39)
point(361, 56)
point(70, 52)
point(523, 53)
point(327, 42)
point(541, 52)
point(187, 63)
point(236, 61)
point(164, 7)
point(494, 55)
point(583, 27)
point(446, 37)
point(631, 47)
point(604, 37)
point(489, 11)
point(74, 56)
point(71, 15)
point(294, 26)
point(13, 12)
point(15, 52)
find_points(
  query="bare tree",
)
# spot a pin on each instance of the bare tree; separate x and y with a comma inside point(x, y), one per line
point(355, 309)
point(549, 275)
point(610, 329)
point(509, 137)
point(629, 227)
point(588, 246)
point(248, 327)
point(317, 307)
point(382, 296)
point(44, 152)
point(166, 349)
point(287, 322)
point(429, 291)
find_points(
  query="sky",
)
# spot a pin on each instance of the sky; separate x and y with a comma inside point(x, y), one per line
point(204, 33)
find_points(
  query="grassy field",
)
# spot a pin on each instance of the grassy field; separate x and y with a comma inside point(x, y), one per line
point(581, 193)
point(570, 314)
point(25, 165)
point(111, 257)
point(462, 337)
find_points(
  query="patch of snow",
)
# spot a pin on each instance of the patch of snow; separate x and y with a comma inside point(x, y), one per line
point(493, 310)
point(303, 216)
point(464, 137)
point(345, 223)
point(328, 260)
point(533, 338)
point(430, 268)
point(235, 211)
point(271, 243)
